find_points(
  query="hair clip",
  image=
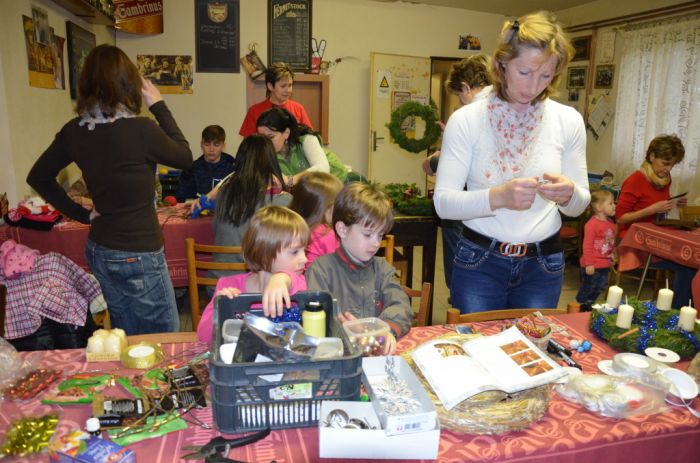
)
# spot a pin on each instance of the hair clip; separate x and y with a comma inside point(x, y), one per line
point(516, 25)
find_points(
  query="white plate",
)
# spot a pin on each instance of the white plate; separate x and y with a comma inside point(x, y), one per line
point(662, 355)
point(682, 384)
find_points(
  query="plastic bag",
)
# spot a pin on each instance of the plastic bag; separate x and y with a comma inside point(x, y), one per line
point(284, 341)
point(14, 366)
point(615, 396)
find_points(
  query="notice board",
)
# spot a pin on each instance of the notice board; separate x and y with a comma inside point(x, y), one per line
point(289, 33)
point(218, 35)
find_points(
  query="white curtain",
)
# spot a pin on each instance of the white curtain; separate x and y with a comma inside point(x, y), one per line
point(659, 92)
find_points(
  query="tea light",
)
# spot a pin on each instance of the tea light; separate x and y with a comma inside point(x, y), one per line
point(95, 344)
point(624, 316)
point(113, 343)
point(686, 320)
point(614, 296)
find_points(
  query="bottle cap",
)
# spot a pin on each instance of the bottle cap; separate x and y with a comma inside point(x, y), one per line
point(92, 424)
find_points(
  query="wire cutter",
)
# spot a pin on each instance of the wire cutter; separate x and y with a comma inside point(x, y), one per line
point(217, 449)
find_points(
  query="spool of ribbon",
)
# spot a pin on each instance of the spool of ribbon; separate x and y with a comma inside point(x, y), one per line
point(630, 364)
point(142, 355)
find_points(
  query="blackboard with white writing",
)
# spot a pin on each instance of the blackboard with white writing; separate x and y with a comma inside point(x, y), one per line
point(218, 33)
point(289, 33)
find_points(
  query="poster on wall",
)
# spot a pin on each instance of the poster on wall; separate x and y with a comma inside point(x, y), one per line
point(80, 43)
point(217, 33)
point(59, 73)
point(170, 73)
point(139, 16)
point(289, 33)
point(42, 33)
point(39, 58)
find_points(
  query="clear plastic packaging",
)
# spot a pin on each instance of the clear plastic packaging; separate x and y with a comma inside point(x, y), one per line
point(368, 334)
point(14, 366)
point(616, 396)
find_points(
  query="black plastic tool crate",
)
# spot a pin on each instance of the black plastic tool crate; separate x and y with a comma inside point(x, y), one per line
point(252, 396)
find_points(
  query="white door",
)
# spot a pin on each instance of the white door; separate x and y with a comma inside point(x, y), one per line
point(395, 80)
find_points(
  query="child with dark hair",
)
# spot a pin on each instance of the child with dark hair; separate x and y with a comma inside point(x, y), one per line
point(365, 285)
point(210, 168)
point(314, 195)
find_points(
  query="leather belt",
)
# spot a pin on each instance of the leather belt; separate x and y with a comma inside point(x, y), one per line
point(551, 245)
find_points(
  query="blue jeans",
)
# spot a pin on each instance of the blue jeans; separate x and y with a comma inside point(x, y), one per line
point(592, 285)
point(136, 287)
point(451, 233)
point(483, 279)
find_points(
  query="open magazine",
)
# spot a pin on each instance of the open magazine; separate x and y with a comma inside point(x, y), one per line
point(506, 361)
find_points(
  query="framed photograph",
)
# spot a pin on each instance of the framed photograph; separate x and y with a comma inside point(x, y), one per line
point(582, 48)
point(576, 77)
point(80, 43)
point(170, 73)
point(604, 75)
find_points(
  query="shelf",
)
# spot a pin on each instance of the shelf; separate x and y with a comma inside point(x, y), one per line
point(83, 9)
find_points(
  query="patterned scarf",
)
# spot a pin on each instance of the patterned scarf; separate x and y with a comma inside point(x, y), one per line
point(514, 133)
point(655, 180)
point(120, 112)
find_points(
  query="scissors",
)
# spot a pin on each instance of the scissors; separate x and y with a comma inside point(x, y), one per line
point(215, 450)
point(318, 48)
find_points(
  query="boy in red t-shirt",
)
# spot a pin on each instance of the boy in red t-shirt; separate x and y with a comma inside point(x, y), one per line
point(598, 246)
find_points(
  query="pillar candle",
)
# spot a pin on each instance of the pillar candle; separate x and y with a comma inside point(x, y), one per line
point(614, 296)
point(624, 316)
point(686, 320)
point(664, 299)
point(113, 343)
point(95, 344)
point(122, 335)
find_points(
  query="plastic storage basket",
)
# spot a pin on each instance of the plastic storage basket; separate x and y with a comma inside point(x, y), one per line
point(252, 396)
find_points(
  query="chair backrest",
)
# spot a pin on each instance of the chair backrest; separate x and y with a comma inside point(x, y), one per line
point(689, 213)
point(425, 294)
point(199, 259)
point(454, 317)
point(163, 338)
point(3, 294)
point(388, 245)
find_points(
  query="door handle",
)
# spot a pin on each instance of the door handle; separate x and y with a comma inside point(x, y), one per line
point(374, 140)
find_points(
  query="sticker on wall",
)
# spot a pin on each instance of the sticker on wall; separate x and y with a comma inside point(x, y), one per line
point(469, 42)
point(170, 73)
point(383, 84)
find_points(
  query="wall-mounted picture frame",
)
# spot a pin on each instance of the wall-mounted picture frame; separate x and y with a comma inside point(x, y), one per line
point(582, 48)
point(604, 75)
point(576, 77)
point(80, 43)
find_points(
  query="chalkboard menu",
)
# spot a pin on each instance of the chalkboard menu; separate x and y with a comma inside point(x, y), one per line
point(217, 30)
point(289, 33)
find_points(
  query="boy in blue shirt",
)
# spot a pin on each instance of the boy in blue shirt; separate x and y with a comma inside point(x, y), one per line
point(209, 169)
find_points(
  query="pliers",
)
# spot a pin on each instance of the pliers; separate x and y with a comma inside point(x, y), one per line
point(216, 450)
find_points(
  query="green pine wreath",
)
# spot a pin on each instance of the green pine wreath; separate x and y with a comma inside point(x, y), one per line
point(425, 112)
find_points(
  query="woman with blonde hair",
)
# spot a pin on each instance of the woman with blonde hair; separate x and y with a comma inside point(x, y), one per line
point(523, 159)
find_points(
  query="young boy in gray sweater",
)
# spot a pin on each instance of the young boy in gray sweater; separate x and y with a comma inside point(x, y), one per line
point(364, 285)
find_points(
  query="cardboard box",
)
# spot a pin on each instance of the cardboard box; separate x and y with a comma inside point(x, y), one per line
point(80, 447)
point(373, 443)
point(374, 370)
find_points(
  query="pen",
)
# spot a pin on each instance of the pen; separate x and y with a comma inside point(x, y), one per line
point(557, 347)
point(569, 361)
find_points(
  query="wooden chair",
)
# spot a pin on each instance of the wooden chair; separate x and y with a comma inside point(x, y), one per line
point(163, 338)
point(199, 259)
point(689, 213)
point(3, 295)
point(454, 317)
point(420, 318)
point(388, 245)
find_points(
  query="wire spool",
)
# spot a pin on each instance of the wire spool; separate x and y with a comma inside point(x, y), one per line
point(141, 356)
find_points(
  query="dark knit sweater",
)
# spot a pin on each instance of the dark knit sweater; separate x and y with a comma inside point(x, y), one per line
point(118, 161)
point(200, 179)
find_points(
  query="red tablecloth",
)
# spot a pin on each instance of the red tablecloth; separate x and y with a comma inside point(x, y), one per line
point(68, 238)
point(681, 246)
point(567, 433)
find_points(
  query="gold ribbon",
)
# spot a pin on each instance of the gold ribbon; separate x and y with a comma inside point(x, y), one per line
point(143, 355)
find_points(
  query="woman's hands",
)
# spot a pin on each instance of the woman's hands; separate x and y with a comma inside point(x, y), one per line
point(519, 194)
point(150, 93)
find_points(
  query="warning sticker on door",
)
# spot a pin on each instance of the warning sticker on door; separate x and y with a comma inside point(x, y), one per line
point(383, 84)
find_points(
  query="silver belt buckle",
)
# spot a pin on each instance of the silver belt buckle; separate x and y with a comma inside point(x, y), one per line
point(512, 249)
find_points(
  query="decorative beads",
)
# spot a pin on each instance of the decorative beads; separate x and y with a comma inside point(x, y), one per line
point(580, 346)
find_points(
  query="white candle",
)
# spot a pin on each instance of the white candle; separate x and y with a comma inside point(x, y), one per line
point(664, 299)
point(686, 320)
point(614, 296)
point(113, 343)
point(122, 335)
point(95, 344)
point(624, 316)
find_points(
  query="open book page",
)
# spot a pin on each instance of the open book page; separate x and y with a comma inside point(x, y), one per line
point(511, 358)
point(453, 375)
point(506, 361)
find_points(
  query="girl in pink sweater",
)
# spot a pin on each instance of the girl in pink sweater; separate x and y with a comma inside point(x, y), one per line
point(273, 248)
point(314, 195)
